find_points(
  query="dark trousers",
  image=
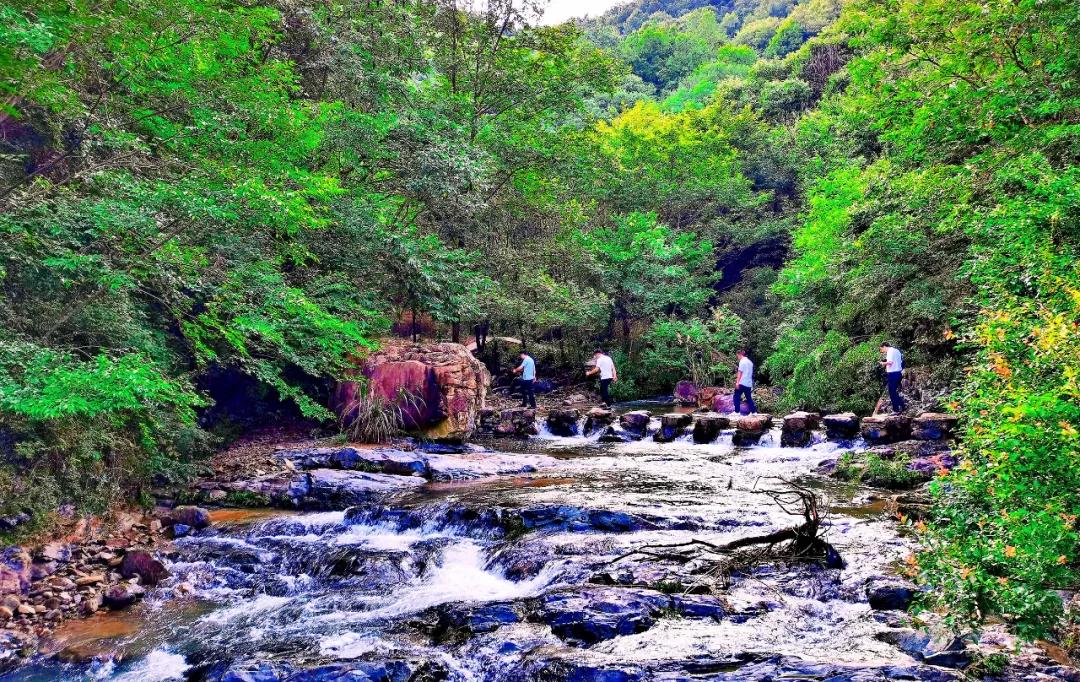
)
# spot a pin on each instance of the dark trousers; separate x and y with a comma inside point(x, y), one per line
point(528, 393)
point(605, 397)
point(740, 393)
point(893, 379)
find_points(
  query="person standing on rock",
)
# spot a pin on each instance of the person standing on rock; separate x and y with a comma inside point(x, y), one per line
point(744, 383)
point(894, 372)
point(527, 370)
point(605, 367)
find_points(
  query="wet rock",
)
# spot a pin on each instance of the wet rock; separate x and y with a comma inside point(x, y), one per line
point(249, 671)
point(179, 530)
point(598, 614)
point(672, 426)
point(842, 426)
point(362, 671)
point(563, 422)
point(339, 488)
point(479, 464)
point(749, 428)
point(122, 596)
point(142, 564)
point(707, 426)
point(459, 622)
point(636, 423)
point(933, 426)
point(573, 518)
point(686, 393)
point(920, 646)
point(6, 613)
point(798, 429)
point(615, 434)
point(597, 418)
point(883, 429)
point(571, 670)
point(885, 594)
point(700, 606)
point(445, 383)
point(195, 517)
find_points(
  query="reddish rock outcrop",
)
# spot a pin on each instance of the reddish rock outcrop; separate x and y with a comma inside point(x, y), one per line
point(445, 386)
point(716, 399)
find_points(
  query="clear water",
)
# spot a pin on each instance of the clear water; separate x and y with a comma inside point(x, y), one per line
point(313, 589)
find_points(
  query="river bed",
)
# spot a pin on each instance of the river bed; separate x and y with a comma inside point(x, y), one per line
point(511, 578)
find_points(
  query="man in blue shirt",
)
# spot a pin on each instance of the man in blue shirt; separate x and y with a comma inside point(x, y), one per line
point(527, 370)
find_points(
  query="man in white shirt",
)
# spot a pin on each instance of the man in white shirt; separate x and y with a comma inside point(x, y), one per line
point(527, 370)
point(744, 383)
point(605, 367)
point(894, 372)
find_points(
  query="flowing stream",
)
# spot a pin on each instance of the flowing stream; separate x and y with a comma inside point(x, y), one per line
point(509, 578)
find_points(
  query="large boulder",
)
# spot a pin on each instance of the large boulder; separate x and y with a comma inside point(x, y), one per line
point(445, 387)
point(686, 393)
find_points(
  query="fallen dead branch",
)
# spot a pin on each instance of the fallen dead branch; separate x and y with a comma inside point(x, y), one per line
point(804, 542)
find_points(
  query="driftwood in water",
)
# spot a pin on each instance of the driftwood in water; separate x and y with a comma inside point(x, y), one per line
point(804, 542)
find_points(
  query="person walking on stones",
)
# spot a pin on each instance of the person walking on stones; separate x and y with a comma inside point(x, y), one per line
point(894, 372)
point(605, 367)
point(744, 383)
point(527, 370)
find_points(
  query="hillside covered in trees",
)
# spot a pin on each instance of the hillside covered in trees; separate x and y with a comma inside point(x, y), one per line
point(204, 198)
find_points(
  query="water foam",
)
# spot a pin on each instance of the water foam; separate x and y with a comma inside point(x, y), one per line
point(158, 666)
point(462, 576)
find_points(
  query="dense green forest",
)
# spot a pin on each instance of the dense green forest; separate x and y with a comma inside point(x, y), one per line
point(201, 193)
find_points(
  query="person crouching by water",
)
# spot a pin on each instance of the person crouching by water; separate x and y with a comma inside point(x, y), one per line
point(605, 367)
point(894, 372)
point(744, 383)
point(527, 370)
